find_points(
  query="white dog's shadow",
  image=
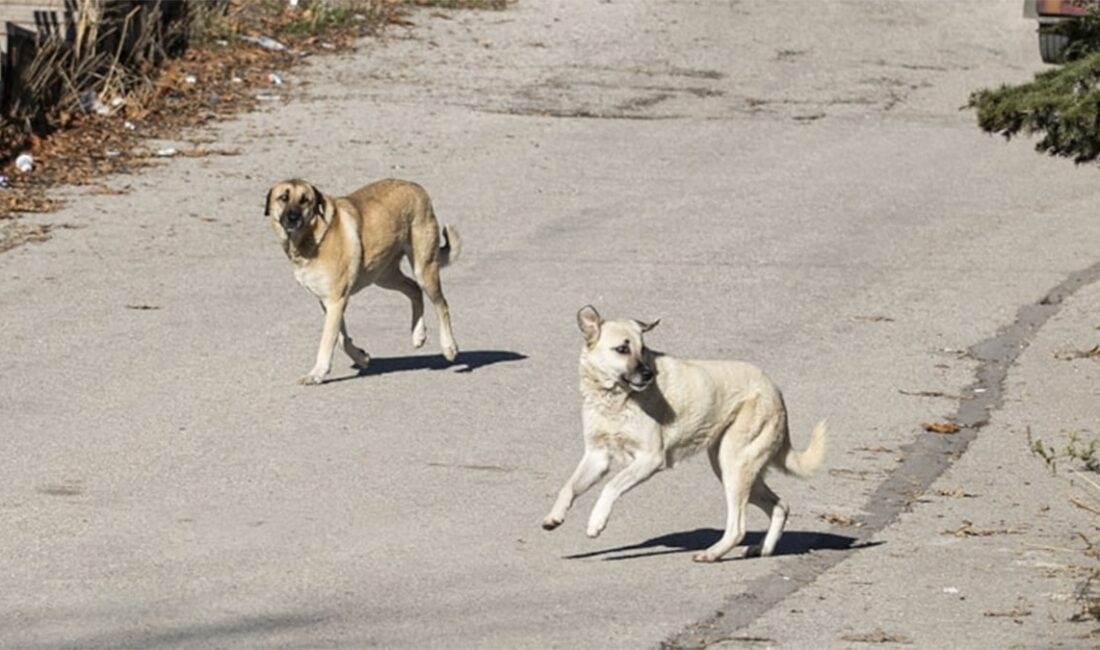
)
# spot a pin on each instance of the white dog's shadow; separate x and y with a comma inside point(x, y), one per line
point(793, 542)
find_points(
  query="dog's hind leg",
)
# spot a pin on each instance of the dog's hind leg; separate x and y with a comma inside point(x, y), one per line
point(736, 483)
point(398, 281)
point(593, 466)
point(762, 497)
point(768, 501)
point(428, 275)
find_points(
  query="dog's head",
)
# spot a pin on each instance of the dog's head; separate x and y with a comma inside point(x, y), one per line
point(292, 207)
point(614, 351)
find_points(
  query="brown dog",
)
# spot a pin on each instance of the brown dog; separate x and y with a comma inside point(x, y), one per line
point(339, 245)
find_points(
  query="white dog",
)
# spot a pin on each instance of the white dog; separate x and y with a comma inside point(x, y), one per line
point(653, 410)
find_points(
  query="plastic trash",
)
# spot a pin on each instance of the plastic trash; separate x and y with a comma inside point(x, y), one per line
point(167, 152)
point(24, 163)
point(190, 79)
point(275, 78)
point(5, 182)
point(265, 42)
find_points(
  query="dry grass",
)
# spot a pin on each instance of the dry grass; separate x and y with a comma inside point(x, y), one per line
point(89, 106)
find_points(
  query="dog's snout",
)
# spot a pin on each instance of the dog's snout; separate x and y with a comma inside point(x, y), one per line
point(292, 220)
point(645, 373)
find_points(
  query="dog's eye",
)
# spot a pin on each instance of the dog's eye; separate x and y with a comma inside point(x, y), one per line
point(623, 349)
point(304, 200)
point(285, 197)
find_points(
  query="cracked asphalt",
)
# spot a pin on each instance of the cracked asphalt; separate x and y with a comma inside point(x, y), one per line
point(792, 184)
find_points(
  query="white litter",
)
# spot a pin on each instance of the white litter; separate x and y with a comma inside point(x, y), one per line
point(265, 42)
point(24, 163)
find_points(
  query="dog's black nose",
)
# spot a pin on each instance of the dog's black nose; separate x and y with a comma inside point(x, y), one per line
point(292, 221)
point(645, 373)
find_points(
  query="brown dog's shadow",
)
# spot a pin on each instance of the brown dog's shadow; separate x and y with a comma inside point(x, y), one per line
point(466, 362)
point(794, 542)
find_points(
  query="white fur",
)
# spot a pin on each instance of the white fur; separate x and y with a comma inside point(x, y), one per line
point(651, 410)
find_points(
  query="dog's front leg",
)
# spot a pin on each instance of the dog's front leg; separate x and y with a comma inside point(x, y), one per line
point(592, 467)
point(334, 317)
point(644, 465)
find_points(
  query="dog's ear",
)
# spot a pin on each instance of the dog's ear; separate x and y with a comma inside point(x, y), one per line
point(588, 319)
point(319, 201)
point(648, 326)
point(267, 203)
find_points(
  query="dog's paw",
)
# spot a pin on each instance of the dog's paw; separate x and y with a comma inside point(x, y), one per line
point(705, 557)
point(311, 379)
point(594, 530)
point(754, 551)
point(360, 361)
point(550, 523)
point(450, 352)
point(420, 334)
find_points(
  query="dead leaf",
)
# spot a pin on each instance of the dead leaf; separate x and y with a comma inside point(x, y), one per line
point(940, 427)
point(840, 520)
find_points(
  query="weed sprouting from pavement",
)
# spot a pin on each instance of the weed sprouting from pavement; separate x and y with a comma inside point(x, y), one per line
point(1075, 449)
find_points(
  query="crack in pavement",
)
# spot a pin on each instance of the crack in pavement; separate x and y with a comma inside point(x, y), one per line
point(923, 461)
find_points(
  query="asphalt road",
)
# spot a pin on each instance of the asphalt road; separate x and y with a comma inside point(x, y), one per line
point(792, 184)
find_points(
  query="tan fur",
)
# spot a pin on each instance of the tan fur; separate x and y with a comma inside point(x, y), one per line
point(338, 245)
point(651, 410)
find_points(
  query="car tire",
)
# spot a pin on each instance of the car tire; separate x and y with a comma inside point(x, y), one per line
point(1052, 47)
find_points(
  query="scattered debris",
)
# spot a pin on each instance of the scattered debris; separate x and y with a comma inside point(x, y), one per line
point(950, 590)
point(876, 636)
point(876, 450)
point(957, 493)
point(870, 319)
point(928, 393)
point(967, 530)
point(265, 42)
point(1017, 612)
point(854, 474)
point(274, 78)
point(1070, 355)
point(5, 182)
point(142, 307)
point(940, 427)
point(840, 520)
point(1077, 502)
point(166, 152)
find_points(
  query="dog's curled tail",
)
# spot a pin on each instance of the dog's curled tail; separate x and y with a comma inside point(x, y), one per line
point(451, 246)
point(803, 464)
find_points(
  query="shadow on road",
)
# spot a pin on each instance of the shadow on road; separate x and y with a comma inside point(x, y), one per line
point(793, 542)
point(466, 362)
